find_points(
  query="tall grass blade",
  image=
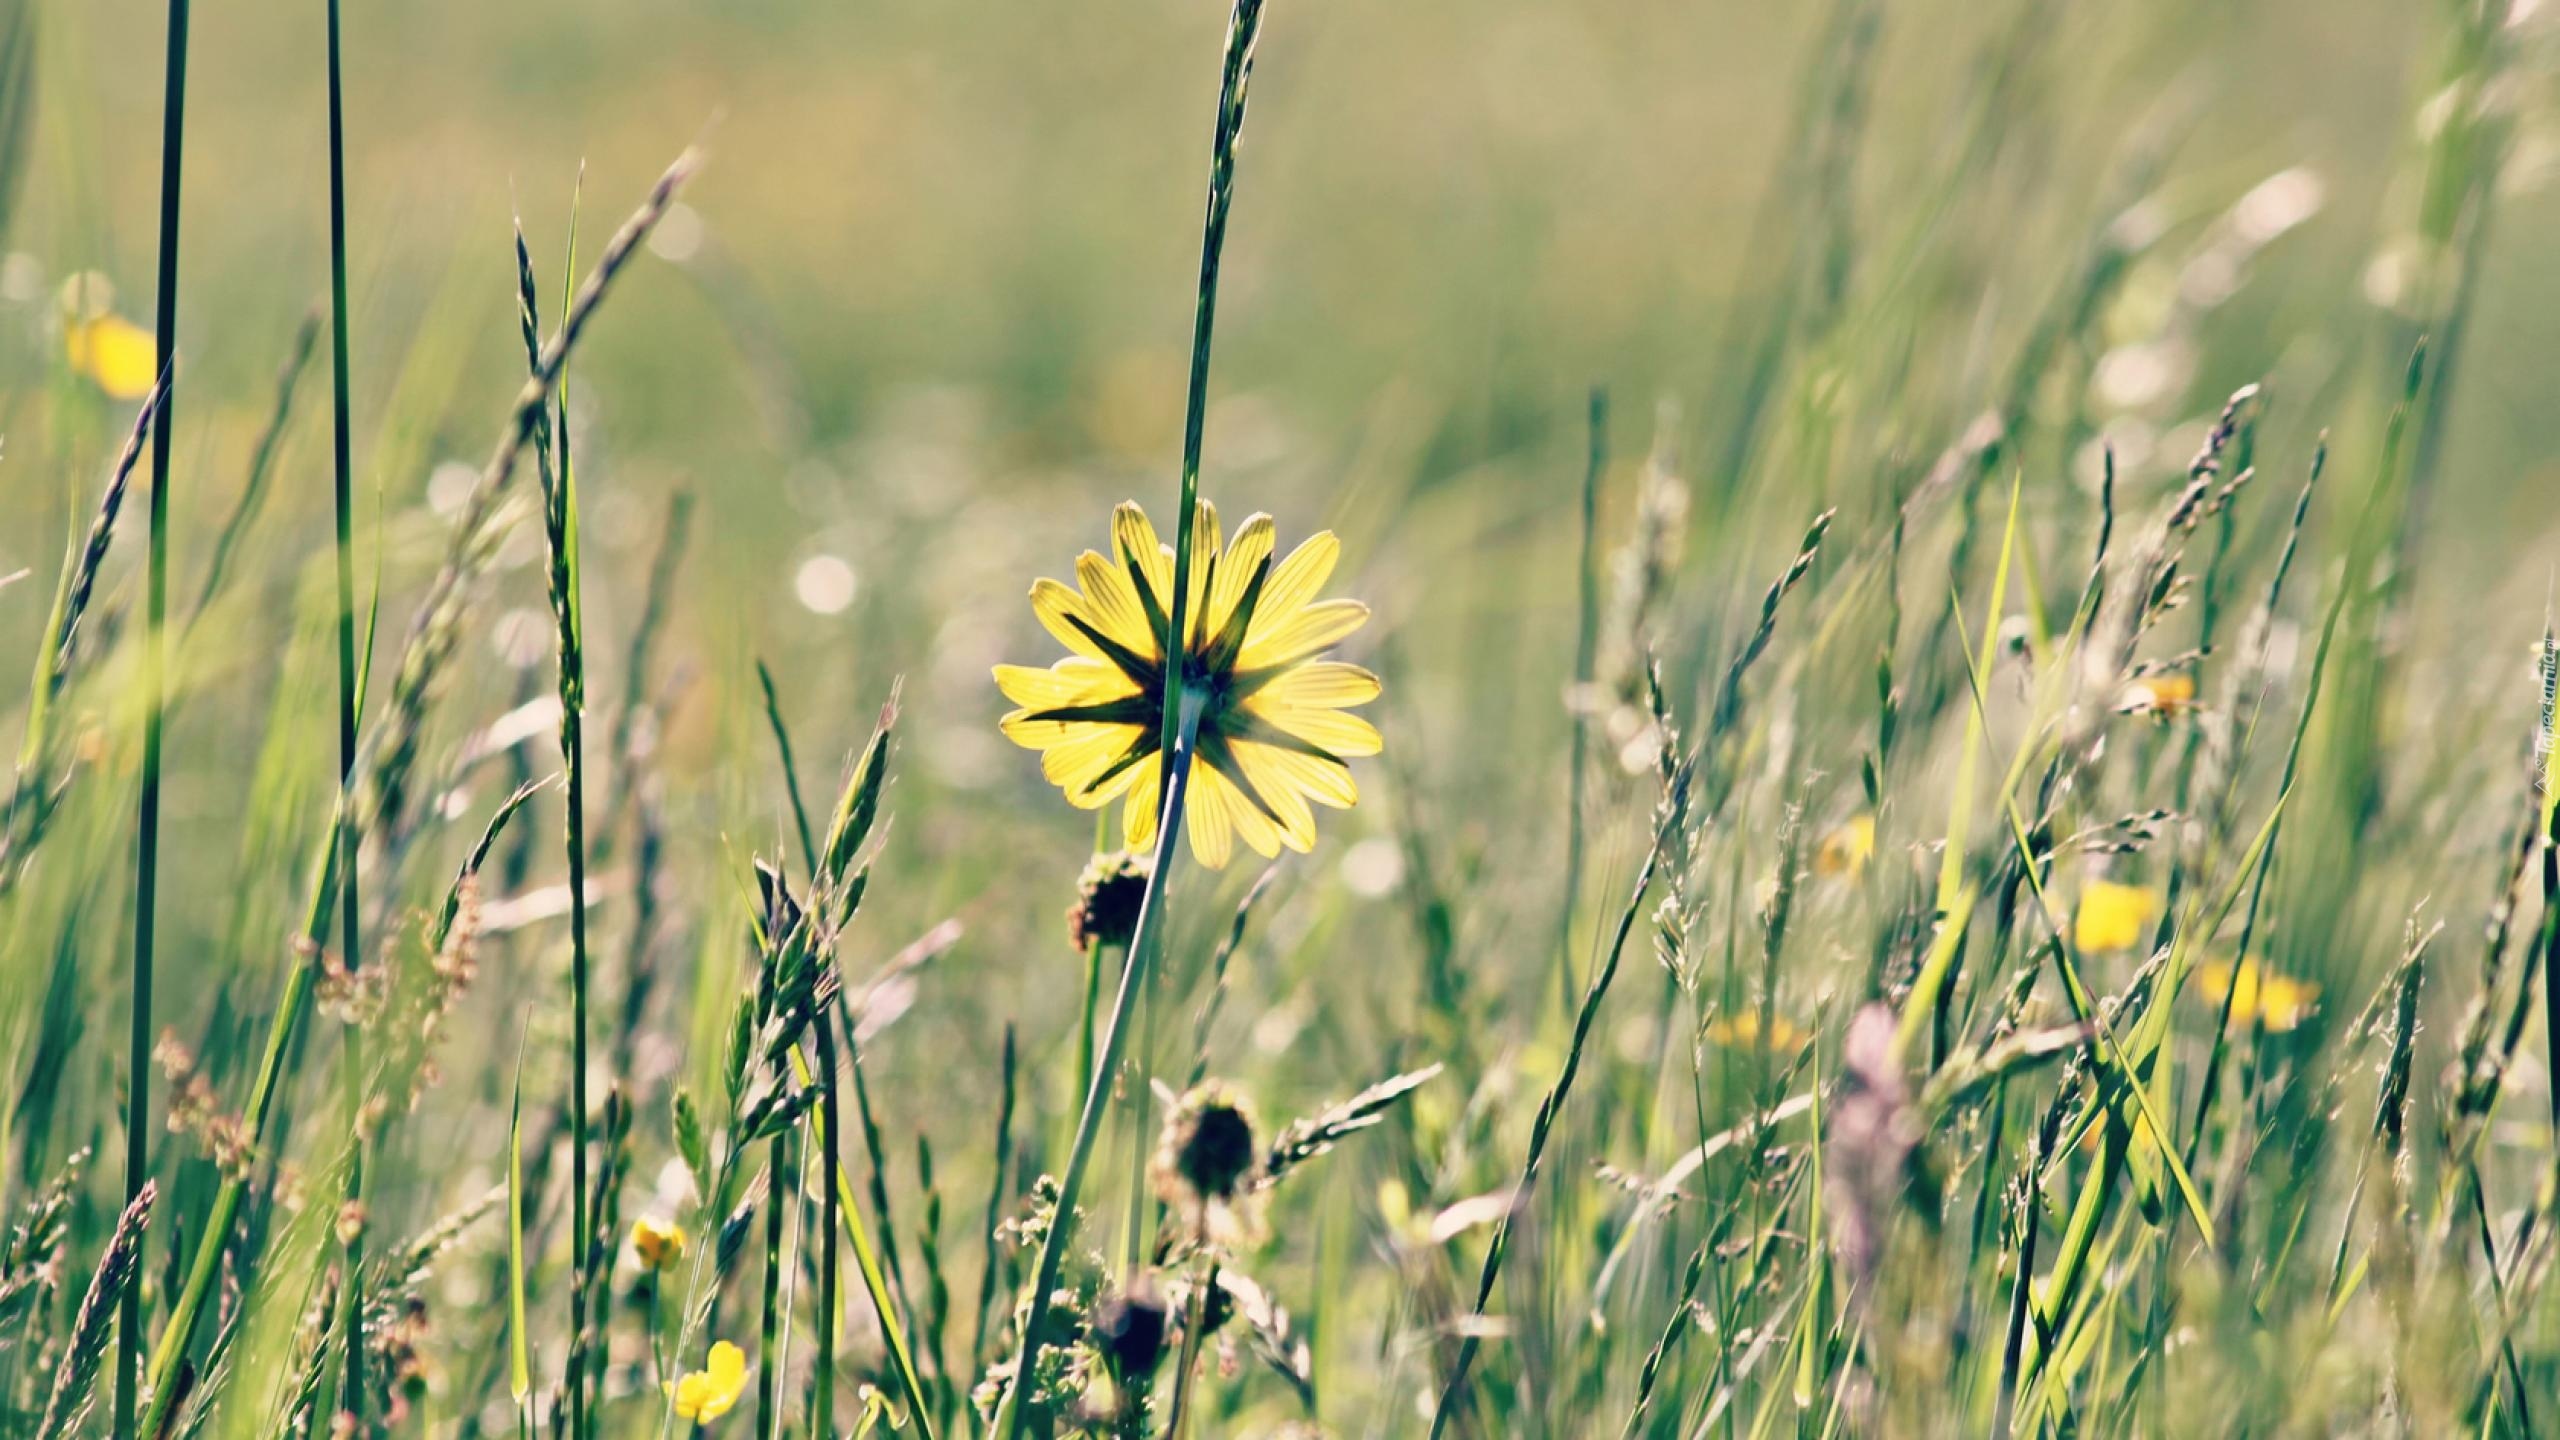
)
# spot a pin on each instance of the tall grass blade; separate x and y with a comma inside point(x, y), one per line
point(146, 864)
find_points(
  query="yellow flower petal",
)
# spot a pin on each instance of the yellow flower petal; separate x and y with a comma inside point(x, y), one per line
point(1113, 604)
point(1058, 607)
point(1321, 685)
point(117, 355)
point(1146, 797)
point(705, 1395)
point(1204, 564)
point(1140, 553)
point(1206, 815)
point(1252, 826)
point(1312, 628)
point(1270, 778)
point(1328, 730)
point(1327, 782)
point(1073, 681)
point(1030, 734)
point(1236, 571)
point(2112, 916)
point(1081, 766)
point(1294, 582)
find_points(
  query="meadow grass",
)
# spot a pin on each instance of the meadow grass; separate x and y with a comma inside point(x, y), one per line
point(1995, 874)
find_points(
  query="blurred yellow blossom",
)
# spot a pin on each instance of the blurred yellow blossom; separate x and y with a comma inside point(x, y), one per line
point(659, 1243)
point(1845, 851)
point(2268, 996)
point(2112, 915)
point(2163, 697)
point(117, 355)
point(705, 1395)
point(1741, 1031)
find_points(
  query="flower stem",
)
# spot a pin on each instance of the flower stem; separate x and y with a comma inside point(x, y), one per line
point(783, 1188)
point(832, 1199)
point(1143, 944)
point(1095, 959)
point(137, 1132)
point(1140, 1087)
point(1181, 709)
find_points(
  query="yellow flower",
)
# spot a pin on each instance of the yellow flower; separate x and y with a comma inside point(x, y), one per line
point(2112, 916)
point(1272, 734)
point(1845, 851)
point(703, 1396)
point(118, 355)
point(1741, 1031)
point(2277, 1000)
point(658, 1243)
point(2163, 697)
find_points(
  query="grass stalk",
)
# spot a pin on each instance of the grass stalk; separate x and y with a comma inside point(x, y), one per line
point(560, 534)
point(262, 462)
point(1013, 1421)
point(831, 1206)
point(1002, 1167)
point(146, 864)
point(781, 1191)
point(118, 1270)
point(351, 1401)
point(1586, 649)
point(31, 793)
point(1181, 714)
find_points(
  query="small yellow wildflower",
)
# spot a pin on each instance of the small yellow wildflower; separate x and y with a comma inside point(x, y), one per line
point(659, 1243)
point(1741, 1031)
point(1845, 851)
point(1273, 734)
point(2276, 1000)
point(705, 1395)
point(2162, 697)
point(115, 354)
point(2113, 916)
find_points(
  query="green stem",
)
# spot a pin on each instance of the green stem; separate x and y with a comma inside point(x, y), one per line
point(783, 1188)
point(352, 1401)
point(1134, 1250)
point(1013, 1421)
point(1181, 713)
point(830, 1144)
point(1204, 1280)
point(137, 1149)
point(1586, 646)
point(1093, 965)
